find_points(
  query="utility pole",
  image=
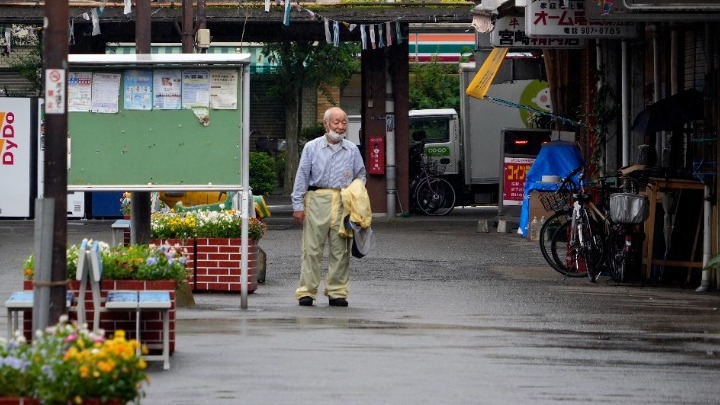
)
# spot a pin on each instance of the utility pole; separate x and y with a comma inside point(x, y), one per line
point(188, 29)
point(51, 271)
point(140, 201)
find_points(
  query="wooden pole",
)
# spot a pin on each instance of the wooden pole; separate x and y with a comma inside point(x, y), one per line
point(55, 51)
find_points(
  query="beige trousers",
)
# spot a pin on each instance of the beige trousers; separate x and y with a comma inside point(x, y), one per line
point(323, 214)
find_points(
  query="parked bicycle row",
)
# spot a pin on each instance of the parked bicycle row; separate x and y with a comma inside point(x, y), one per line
point(594, 231)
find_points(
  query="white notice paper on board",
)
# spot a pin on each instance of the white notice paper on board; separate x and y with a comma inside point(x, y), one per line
point(195, 88)
point(167, 91)
point(223, 89)
point(105, 93)
point(79, 91)
point(138, 90)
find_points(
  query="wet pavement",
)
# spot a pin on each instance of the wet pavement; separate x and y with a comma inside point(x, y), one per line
point(439, 313)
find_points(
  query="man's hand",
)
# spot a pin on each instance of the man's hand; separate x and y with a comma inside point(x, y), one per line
point(299, 217)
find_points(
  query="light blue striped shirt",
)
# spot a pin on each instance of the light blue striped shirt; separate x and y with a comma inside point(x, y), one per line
point(325, 165)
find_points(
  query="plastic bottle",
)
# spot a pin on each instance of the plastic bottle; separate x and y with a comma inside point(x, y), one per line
point(540, 225)
point(534, 229)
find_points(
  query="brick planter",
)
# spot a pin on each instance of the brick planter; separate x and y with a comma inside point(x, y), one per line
point(214, 264)
point(151, 322)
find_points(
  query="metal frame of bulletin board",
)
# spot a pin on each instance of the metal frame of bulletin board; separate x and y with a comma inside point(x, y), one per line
point(160, 149)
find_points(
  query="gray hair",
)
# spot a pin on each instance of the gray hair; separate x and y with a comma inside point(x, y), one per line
point(326, 117)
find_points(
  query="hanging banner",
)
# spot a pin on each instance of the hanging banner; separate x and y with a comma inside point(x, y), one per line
point(563, 18)
point(479, 85)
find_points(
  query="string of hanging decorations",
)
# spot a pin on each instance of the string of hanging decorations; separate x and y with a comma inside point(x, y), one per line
point(372, 36)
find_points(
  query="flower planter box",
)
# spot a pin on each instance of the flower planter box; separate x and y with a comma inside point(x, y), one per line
point(151, 327)
point(214, 264)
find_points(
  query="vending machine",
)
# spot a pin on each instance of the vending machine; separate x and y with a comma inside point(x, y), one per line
point(16, 158)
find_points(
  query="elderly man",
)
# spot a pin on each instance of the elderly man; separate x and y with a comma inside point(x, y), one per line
point(328, 164)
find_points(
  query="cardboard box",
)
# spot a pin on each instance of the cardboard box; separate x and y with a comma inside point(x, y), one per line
point(536, 208)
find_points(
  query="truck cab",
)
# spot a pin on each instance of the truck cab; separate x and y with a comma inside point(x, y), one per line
point(438, 129)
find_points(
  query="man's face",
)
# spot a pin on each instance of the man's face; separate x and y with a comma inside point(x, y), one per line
point(337, 122)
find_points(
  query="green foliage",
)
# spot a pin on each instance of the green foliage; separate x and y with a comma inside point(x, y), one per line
point(145, 262)
point(307, 65)
point(434, 85)
point(136, 262)
point(263, 173)
point(311, 132)
point(67, 363)
point(203, 224)
point(29, 65)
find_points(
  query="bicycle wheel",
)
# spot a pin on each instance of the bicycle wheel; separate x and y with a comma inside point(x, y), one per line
point(591, 252)
point(547, 231)
point(564, 254)
point(619, 259)
point(435, 196)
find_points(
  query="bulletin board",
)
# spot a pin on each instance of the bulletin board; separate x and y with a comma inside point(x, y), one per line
point(158, 149)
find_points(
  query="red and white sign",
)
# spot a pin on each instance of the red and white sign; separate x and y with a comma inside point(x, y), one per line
point(55, 91)
point(514, 174)
point(558, 18)
point(15, 156)
point(376, 155)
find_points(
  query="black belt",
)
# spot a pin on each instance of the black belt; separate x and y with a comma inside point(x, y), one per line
point(316, 188)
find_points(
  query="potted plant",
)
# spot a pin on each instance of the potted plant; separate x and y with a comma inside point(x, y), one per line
point(125, 205)
point(68, 363)
point(137, 267)
point(136, 262)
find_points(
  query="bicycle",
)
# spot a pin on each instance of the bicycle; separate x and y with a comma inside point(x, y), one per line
point(431, 194)
point(580, 239)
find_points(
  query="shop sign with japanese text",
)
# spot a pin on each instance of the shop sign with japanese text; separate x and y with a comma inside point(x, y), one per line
point(618, 11)
point(558, 18)
point(509, 32)
point(514, 173)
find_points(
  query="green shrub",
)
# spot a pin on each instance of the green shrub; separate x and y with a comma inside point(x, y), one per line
point(311, 132)
point(263, 173)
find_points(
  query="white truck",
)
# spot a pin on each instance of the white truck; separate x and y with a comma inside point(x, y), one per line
point(472, 140)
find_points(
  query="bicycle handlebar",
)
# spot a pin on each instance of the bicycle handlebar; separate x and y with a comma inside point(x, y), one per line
point(567, 180)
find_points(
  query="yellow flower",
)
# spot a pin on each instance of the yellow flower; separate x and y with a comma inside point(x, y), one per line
point(84, 371)
point(106, 366)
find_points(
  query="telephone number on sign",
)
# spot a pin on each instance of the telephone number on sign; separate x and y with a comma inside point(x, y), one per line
point(601, 31)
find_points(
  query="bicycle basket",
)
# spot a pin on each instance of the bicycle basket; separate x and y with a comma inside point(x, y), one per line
point(628, 208)
point(553, 201)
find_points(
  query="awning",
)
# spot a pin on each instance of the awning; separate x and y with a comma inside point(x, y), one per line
point(258, 61)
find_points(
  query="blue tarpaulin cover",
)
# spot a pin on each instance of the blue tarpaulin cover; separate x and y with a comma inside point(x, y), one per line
point(557, 158)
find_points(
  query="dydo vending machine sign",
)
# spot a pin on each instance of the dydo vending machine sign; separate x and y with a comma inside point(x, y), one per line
point(15, 156)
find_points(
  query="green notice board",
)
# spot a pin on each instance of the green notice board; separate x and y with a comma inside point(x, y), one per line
point(156, 149)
